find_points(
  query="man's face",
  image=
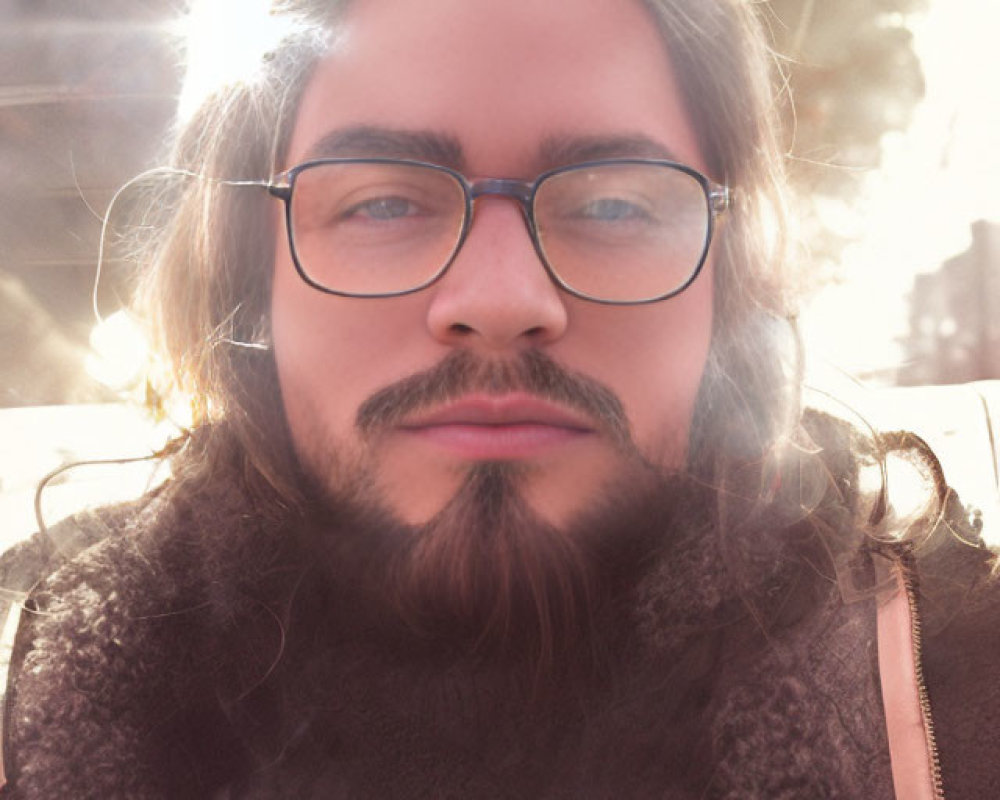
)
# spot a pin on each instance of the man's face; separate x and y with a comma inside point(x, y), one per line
point(502, 81)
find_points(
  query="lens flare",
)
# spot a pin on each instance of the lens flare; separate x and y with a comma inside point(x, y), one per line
point(225, 42)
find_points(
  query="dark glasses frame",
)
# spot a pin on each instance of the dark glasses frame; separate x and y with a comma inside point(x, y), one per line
point(718, 199)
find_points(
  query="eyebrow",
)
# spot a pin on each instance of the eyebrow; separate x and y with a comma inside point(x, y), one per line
point(369, 141)
point(558, 151)
point(366, 141)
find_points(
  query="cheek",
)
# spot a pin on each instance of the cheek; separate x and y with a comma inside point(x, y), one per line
point(654, 358)
point(322, 351)
point(332, 353)
point(304, 351)
point(685, 334)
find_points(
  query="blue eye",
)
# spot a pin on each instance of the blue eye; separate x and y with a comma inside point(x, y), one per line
point(382, 208)
point(611, 209)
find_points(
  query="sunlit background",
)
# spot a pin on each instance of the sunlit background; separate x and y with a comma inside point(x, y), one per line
point(937, 178)
point(901, 209)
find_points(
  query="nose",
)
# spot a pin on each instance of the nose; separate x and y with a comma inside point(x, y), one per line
point(497, 294)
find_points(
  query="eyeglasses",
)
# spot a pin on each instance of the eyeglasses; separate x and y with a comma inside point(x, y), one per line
point(625, 232)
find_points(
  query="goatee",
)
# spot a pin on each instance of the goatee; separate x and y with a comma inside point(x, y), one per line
point(490, 578)
point(487, 574)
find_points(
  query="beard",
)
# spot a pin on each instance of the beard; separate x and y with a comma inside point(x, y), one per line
point(487, 575)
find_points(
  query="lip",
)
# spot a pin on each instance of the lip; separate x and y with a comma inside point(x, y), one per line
point(498, 427)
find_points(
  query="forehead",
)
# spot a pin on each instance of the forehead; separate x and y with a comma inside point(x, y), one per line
point(500, 80)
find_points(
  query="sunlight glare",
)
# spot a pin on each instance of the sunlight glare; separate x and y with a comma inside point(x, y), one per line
point(119, 354)
point(225, 42)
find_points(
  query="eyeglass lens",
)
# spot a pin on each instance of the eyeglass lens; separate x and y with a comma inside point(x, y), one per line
point(620, 232)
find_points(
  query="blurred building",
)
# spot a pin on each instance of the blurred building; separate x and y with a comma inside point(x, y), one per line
point(87, 90)
point(955, 316)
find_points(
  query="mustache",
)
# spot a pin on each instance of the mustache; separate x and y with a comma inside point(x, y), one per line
point(461, 373)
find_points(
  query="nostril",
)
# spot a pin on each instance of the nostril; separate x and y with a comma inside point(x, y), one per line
point(461, 328)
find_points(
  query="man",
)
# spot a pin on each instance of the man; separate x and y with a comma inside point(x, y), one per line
point(498, 485)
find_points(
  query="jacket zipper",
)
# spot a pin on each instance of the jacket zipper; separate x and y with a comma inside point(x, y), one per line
point(916, 637)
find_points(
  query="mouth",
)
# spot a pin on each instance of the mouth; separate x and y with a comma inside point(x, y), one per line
point(498, 427)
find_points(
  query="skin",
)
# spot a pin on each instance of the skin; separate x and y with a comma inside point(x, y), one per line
point(500, 79)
